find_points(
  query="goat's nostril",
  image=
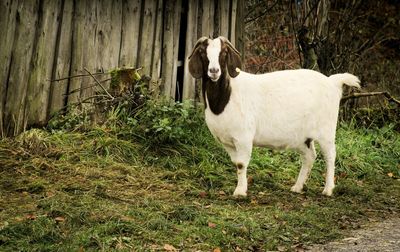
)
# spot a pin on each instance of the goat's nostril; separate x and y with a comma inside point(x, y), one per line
point(214, 70)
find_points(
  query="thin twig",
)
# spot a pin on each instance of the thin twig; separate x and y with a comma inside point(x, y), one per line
point(75, 76)
point(79, 89)
point(98, 82)
point(384, 93)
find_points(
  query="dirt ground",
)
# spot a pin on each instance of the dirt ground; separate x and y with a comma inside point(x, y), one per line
point(376, 236)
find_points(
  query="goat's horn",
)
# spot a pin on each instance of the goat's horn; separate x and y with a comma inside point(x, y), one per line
point(225, 40)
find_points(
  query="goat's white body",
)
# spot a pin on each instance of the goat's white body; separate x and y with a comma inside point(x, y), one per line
point(281, 110)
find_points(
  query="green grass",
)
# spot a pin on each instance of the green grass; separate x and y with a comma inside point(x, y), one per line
point(97, 189)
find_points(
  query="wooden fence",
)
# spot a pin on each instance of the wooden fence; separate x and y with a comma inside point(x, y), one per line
point(43, 40)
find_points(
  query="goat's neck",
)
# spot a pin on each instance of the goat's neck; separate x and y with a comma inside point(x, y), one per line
point(216, 93)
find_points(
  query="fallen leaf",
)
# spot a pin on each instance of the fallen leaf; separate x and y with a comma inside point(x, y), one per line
point(281, 248)
point(59, 219)
point(217, 250)
point(202, 194)
point(169, 247)
point(30, 217)
point(212, 225)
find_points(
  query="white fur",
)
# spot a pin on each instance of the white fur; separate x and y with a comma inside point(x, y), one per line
point(281, 110)
point(213, 51)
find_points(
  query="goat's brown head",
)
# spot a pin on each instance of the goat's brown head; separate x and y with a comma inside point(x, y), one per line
point(212, 57)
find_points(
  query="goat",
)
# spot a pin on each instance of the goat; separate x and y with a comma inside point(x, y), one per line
point(288, 109)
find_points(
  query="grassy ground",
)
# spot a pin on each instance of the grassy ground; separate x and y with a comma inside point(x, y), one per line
point(82, 188)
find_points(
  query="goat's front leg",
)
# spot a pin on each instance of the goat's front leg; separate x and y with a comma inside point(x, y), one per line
point(240, 156)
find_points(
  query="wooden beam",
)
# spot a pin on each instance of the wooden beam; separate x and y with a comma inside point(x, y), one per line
point(129, 32)
point(147, 36)
point(14, 111)
point(38, 92)
point(62, 62)
point(172, 14)
point(78, 49)
point(7, 26)
point(189, 87)
point(224, 18)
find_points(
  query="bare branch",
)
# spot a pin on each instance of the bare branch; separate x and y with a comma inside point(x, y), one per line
point(98, 82)
point(75, 76)
point(384, 93)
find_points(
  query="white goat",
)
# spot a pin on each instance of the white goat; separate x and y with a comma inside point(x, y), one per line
point(284, 109)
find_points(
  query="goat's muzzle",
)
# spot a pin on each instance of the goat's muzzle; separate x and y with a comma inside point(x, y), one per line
point(214, 74)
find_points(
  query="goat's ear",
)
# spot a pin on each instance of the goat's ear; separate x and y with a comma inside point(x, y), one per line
point(233, 58)
point(195, 62)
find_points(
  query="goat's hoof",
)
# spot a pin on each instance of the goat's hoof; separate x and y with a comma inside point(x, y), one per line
point(327, 191)
point(239, 193)
point(296, 189)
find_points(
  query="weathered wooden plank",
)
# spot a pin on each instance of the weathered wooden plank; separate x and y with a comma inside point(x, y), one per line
point(176, 34)
point(189, 88)
point(168, 48)
point(224, 18)
point(156, 57)
point(42, 63)
point(78, 49)
point(7, 26)
point(114, 45)
point(90, 59)
point(239, 27)
point(103, 34)
point(147, 36)
point(207, 19)
point(63, 59)
point(169, 55)
point(14, 111)
point(130, 32)
point(232, 26)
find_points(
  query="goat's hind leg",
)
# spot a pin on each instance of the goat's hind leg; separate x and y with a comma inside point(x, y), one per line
point(308, 156)
point(329, 151)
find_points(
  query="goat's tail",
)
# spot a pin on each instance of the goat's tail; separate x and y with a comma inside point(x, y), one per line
point(345, 78)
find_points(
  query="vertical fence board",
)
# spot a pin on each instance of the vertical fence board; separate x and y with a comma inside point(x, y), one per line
point(224, 18)
point(129, 32)
point(114, 45)
point(239, 27)
point(63, 59)
point(78, 50)
point(189, 87)
point(170, 54)
point(147, 36)
point(7, 26)
point(90, 44)
point(42, 63)
point(103, 33)
point(176, 34)
point(156, 54)
point(14, 112)
point(168, 48)
point(232, 27)
point(207, 19)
